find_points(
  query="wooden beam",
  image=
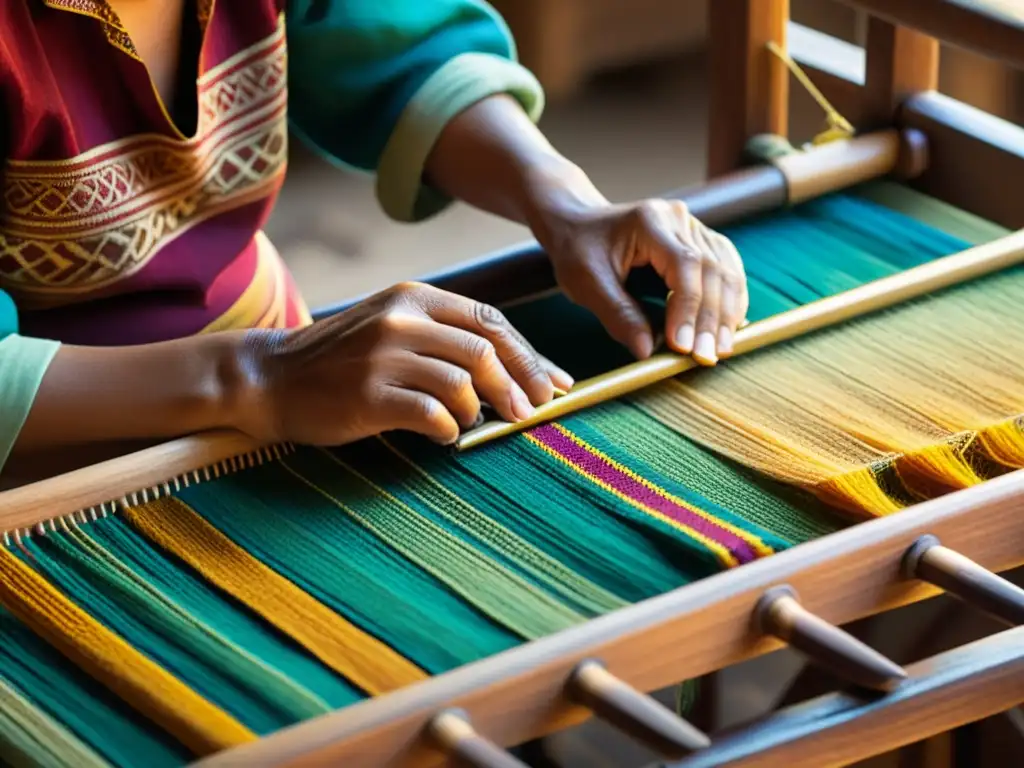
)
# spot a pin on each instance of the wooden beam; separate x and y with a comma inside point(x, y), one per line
point(967, 684)
point(976, 160)
point(900, 63)
point(992, 28)
point(749, 86)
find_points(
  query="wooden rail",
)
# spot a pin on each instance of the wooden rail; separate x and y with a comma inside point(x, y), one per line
point(992, 28)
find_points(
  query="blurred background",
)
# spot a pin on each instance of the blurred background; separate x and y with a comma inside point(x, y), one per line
point(627, 101)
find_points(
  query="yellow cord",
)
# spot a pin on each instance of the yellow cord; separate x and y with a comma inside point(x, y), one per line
point(838, 126)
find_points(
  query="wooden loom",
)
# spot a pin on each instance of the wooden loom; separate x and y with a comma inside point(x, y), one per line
point(956, 543)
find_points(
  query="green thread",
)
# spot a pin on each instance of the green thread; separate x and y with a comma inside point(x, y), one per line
point(200, 659)
point(292, 698)
point(486, 532)
point(30, 738)
point(220, 611)
point(481, 581)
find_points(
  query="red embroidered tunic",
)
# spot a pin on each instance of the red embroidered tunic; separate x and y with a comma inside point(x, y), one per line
point(117, 228)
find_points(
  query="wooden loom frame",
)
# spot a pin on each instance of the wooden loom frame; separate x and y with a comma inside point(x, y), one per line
point(708, 625)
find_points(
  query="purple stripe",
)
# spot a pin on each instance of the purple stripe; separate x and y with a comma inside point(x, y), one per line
point(599, 468)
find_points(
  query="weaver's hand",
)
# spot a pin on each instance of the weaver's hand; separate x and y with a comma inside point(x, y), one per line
point(594, 248)
point(412, 358)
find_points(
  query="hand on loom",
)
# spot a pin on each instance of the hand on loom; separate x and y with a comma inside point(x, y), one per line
point(493, 157)
point(413, 358)
point(594, 249)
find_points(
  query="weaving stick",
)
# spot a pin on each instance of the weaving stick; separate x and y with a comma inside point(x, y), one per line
point(871, 297)
point(744, 193)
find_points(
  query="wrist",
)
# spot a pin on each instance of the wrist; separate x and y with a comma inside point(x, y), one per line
point(237, 372)
point(558, 192)
point(248, 382)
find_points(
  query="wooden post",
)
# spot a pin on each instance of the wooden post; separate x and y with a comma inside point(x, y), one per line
point(749, 85)
point(899, 63)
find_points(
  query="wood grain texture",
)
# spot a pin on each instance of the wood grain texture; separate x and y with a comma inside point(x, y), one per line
point(839, 164)
point(976, 161)
point(108, 481)
point(960, 686)
point(899, 63)
point(708, 625)
point(749, 91)
point(993, 28)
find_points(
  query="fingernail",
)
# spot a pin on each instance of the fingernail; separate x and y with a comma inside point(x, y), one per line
point(643, 347)
point(704, 350)
point(561, 380)
point(724, 341)
point(522, 408)
point(684, 338)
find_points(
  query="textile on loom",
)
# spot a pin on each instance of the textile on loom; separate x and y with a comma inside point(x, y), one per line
point(425, 560)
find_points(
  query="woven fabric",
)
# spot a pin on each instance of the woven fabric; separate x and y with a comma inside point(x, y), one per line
point(425, 560)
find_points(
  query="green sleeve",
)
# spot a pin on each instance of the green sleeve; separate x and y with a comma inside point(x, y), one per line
point(23, 362)
point(372, 83)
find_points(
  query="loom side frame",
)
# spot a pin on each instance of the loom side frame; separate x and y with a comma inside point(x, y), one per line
point(973, 156)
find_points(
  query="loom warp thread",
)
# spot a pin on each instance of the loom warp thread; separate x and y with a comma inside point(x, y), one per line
point(317, 578)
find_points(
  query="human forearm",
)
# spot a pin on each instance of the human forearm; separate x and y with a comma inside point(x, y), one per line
point(494, 158)
point(92, 395)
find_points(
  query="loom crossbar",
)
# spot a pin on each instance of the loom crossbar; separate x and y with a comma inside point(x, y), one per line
point(944, 692)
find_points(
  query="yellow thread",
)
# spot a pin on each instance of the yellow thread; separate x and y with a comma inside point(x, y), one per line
point(754, 541)
point(838, 126)
point(927, 389)
point(1003, 443)
point(143, 684)
point(342, 646)
point(722, 553)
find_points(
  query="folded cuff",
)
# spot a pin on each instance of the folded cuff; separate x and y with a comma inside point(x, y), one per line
point(456, 86)
point(23, 362)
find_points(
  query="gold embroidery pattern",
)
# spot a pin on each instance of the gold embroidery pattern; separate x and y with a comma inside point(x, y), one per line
point(102, 12)
point(70, 227)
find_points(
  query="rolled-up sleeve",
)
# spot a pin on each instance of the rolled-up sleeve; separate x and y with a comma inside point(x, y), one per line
point(372, 83)
point(23, 362)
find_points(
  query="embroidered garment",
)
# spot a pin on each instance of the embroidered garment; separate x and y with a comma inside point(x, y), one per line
point(119, 225)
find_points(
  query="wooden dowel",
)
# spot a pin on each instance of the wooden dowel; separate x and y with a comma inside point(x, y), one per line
point(872, 297)
point(959, 686)
point(961, 577)
point(781, 615)
point(632, 712)
point(839, 164)
point(109, 480)
point(457, 737)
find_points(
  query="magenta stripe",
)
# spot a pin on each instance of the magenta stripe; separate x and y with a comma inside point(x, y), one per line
point(598, 467)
